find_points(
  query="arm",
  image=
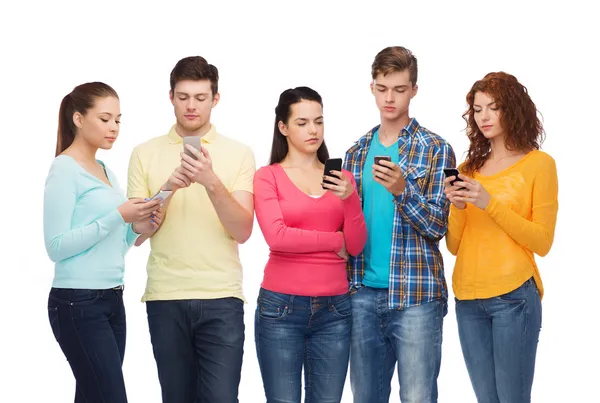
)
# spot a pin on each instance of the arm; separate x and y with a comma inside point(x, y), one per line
point(60, 198)
point(137, 187)
point(428, 213)
point(456, 226)
point(278, 235)
point(130, 235)
point(236, 209)
point(537, 233)
point(354, 229)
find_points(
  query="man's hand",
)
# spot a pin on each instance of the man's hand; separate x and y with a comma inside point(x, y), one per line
point(390, 176)
point(199, 170)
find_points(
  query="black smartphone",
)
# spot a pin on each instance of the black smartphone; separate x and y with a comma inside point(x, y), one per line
point(452, 172)
point(332, 164)
point(382, 157)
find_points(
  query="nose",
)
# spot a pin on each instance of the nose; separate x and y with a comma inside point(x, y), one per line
point(312, 129)
point(114, 127)
point(485, 114)
point(190, 104)
point(389, 96)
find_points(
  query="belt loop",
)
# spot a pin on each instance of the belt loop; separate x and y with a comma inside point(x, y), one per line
point(291, 304)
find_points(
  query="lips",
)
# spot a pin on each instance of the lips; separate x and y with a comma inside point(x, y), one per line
point(389, 108)
point(312, 141)
point(486, 127)
point(111, 138)
point(190, 117)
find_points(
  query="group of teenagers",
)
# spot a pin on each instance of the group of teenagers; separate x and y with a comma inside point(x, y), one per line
point(355, 277)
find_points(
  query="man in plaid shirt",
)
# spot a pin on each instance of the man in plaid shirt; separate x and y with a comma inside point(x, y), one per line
point(399, 289)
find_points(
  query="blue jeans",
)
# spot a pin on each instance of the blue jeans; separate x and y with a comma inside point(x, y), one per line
point(381, 337)
point(89, 326)
point(198, 346)
point(294, 331)
point(499, 338)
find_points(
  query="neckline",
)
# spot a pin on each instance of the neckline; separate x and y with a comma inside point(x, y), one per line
point(110, 182)
point(310, 197)
point(380, 145)
point(510, 167)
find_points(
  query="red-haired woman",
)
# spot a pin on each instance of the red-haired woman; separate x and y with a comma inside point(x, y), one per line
point(504, 208)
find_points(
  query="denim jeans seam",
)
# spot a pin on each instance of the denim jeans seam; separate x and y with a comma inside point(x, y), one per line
point(83, 348)
point(522, 355)
point(308, 370)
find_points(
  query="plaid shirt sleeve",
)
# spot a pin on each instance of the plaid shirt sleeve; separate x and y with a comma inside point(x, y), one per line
point(428, 213)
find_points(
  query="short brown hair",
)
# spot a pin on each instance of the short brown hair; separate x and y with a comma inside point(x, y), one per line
point(195, 68)
point(395, 58)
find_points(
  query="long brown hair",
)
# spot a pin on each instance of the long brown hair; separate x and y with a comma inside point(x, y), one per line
point(289, 97)
point(81, 99)
point(518, 117)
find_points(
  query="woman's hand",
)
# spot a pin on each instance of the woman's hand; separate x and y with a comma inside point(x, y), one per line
point(450, 192)
point(472, 193)
point(149, 225)
point(342, 187)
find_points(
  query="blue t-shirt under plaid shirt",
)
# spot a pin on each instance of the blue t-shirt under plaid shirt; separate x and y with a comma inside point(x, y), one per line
point(378, 207)
point(420, 217)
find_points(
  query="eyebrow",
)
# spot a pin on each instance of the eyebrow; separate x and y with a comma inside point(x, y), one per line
point(479, 106)
point(187, 95)
point(396, 87)
point(305, 119)
point(109, 114)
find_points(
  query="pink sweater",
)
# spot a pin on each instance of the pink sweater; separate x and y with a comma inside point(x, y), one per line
point(301, 232)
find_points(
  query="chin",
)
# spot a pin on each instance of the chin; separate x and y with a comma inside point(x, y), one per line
point(191, 126)
point(390, 115)
point(106, 146)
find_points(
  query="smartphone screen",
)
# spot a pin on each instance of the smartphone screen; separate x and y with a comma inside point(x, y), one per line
point(162, 195)
point(194, 141)
point(452, 172)
point(332, 164)
point(378, 158)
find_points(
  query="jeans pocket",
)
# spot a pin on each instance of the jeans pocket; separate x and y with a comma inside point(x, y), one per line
point(342, 308)
point(516, 296)
point(53, 317)
point(271, 310)
point(75, 297)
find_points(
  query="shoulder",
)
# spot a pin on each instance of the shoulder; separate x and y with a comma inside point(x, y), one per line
point(153, 144)
point(430, 139)
point(267, 173)
point(234, 145)
point(541, 158)
point(64, 165)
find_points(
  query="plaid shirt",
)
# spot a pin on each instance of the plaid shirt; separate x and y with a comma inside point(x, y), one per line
point(420, 219)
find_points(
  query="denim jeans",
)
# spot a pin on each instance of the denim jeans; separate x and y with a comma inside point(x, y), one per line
point(292, 332)
point(499, 338)
point(382, 338)
point(198, 346)
point(89, 326)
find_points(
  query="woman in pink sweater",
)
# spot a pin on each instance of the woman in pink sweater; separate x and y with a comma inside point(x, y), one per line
point(303, 317)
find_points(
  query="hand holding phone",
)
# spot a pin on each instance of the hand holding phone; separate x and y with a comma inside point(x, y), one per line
point(194, 141)
point(452, 172)
point(332, 164)
point(379, 158)
point(161, 195)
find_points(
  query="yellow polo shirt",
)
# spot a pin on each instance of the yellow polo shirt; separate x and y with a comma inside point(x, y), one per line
point(192, 255)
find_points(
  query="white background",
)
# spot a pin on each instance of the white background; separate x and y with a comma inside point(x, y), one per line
point(261, 49)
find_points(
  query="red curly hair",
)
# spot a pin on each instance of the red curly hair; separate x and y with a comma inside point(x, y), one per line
point(518, 117)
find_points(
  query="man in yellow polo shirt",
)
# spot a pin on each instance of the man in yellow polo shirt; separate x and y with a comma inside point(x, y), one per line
point(194, 294)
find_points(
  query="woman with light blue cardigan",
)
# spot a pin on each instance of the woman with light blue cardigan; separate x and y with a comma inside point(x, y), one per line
point(88, 227)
